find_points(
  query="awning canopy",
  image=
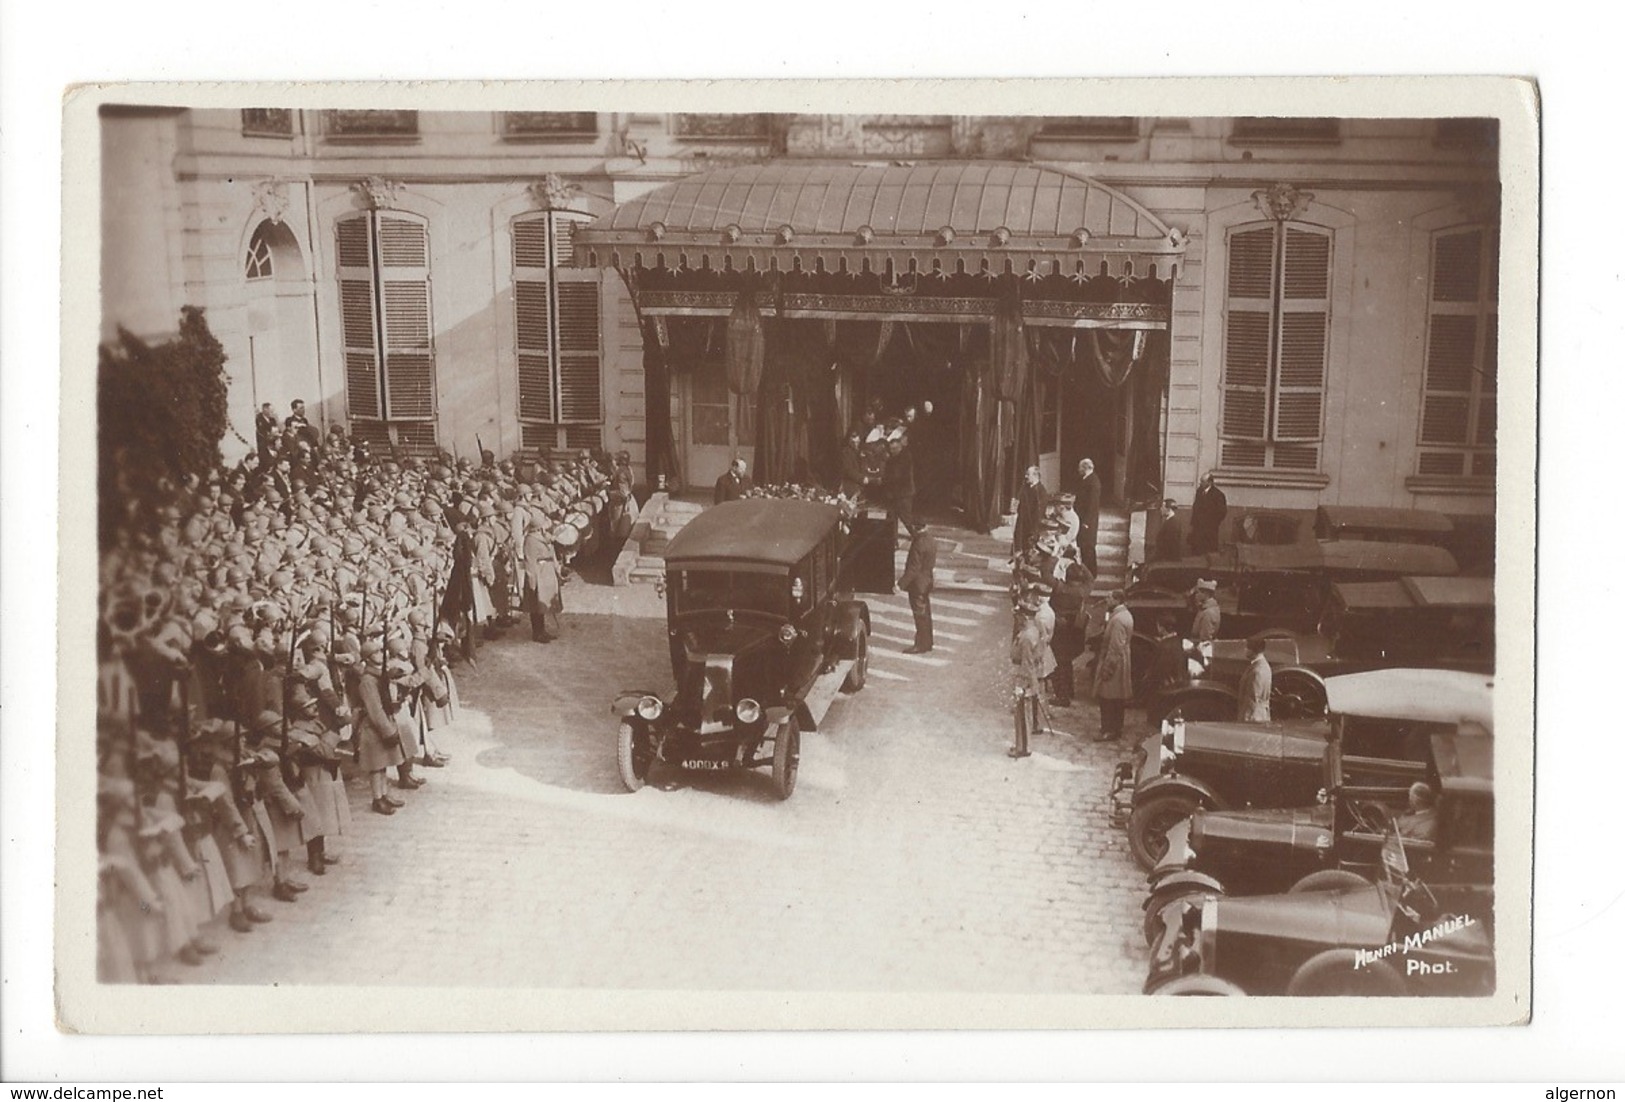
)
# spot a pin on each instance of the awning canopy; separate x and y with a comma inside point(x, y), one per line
point(942, 218)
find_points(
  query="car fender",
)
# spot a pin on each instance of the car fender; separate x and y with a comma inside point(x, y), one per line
point(626, 703)
point(1177, 784)
point(1179, 882)
point(1200, 700)
point(851, 620)
point(779, 713)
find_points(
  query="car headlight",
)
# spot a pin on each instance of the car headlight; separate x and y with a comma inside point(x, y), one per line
point(787, 634)
point(649, 708)
point(748, 711)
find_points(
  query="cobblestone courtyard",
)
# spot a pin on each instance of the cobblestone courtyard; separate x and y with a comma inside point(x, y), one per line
point(915, 855)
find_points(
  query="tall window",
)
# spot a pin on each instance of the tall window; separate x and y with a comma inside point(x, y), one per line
point(1277, 309)
point(556, 335)
point(1457, 433)
point(385, 311)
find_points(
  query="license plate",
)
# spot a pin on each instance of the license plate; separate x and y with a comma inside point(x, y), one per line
point(704, 764)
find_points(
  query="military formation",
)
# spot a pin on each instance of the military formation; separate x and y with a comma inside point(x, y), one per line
point(271, 630)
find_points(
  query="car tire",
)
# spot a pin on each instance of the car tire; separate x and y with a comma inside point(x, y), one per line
point(1199, 984)
point(1328, 880)
point(786, 758)
point(858, 676)
point(633, 760)
point(1151, 923)
point(1333, 973)
point(1148, 826)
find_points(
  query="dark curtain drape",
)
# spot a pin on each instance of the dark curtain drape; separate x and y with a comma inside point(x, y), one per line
point(797, 426)
point(747, 343)
point(661, 440)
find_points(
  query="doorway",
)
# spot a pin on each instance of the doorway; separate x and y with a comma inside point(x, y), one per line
point(282, 351)
point(920, 364)
point(718, 425)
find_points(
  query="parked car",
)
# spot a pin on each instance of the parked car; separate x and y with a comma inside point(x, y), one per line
point(763, 630)
point(1388, 937)
point(1282, 587)
point(1426, 622)
point(1382, 722)
point(1338, 840)
point(1366, 522)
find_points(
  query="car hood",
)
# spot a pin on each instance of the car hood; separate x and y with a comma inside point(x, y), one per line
point(1296, 741)
point(716, 635)
point(1360, 918)
point(1292, 826)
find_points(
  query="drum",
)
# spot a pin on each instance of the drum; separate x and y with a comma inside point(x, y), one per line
point(566, 535)
point(581, 521)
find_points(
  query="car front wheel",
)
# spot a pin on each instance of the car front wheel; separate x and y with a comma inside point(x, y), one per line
point(1335, 972)
point(786, 758)
point(858, 676)
point(1199, 985)
point(1149, 824)
point(633, 756)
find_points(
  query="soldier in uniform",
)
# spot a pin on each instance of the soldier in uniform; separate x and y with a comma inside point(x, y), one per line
point(1028, 655)
point(1205, 625)
point(1253, 697)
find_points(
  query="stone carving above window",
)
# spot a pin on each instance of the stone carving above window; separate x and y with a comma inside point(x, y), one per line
point(376, 193)
point(1282, 202)
point(271, 199)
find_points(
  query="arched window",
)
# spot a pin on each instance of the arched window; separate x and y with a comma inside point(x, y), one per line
point(258, 263)
point(1277, 308)
point(556, 335)
point(387, 320)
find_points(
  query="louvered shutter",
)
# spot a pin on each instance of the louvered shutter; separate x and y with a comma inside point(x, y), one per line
point(408, 329)
point(1301, 351)
point(580, 400)
point(1458, 400)
point(532, 319)
point(1250, 288)
point(357, 314)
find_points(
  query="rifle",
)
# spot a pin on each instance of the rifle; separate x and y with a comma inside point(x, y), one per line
point(183, 739)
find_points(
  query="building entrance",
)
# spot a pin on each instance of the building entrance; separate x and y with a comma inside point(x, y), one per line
point(918, 366)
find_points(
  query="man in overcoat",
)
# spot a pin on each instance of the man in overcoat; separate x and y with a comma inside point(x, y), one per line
point(733, 483)
point(1088, 510)
point(1030, 502)
point(1253, 698)
point(1171, 534)
point(1114, 675)
point(1207, 513)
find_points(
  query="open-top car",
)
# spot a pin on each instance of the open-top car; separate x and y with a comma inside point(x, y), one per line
point(1388, 936)
point(1338, 840)
point(1381, 722)
point(763, 632)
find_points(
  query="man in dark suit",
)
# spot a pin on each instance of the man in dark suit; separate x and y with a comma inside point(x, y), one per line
point(1088, 510)
point(1030, 504)
point(919, 577)
point(853, 475)
point(899, 482)
point(1170, 534)
point(734, 483)
point(266, 437)
point(1207, 513)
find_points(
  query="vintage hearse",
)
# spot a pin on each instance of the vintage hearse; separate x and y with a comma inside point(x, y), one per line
point(1337, 841)
point(763, 630)
point(1390, 936)
point(1382, 722)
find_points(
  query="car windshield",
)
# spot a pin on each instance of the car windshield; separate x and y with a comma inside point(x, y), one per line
point(735, 590)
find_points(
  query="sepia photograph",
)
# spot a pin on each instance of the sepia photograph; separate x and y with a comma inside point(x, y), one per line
point(800, 569)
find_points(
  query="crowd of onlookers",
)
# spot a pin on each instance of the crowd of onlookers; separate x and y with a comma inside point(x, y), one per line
point(276, 628)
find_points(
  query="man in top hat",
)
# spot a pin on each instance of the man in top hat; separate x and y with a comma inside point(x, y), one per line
point(1030, 503)
point(919, 578)
point(1171, 534)
point(1205, 626)
point(1088, 510)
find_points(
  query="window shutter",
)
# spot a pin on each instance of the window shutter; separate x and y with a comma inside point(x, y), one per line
point(1250, 288)
point(408, 332)
point(579, 390)
point(1459, 375)
point(358, 318)
point(532, 320)
point(1301, 355)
